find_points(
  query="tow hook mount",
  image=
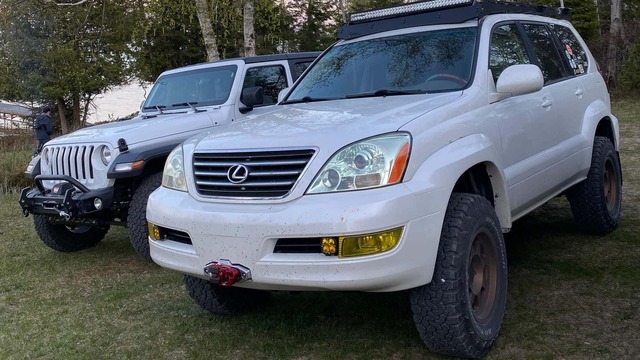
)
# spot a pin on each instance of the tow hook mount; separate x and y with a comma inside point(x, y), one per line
point(225, 273)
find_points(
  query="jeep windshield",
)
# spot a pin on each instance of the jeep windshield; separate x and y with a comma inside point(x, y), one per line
point(414, 63)
point(191, 89)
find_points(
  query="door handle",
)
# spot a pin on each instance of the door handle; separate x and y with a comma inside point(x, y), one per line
point(546, 103)
point(579, 92)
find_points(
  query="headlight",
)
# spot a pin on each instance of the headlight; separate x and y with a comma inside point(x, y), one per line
point(173, 174)
point(370, 163)
point(105, 155)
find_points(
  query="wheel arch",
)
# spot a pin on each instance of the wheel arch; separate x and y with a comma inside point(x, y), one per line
point(469, 164)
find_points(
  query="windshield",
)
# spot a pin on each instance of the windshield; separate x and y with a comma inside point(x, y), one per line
point(202, 87)
point(432, 61)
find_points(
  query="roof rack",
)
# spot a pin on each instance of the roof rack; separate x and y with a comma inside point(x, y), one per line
point(434, 12)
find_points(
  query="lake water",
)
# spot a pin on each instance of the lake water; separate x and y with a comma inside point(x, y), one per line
point(117, 103)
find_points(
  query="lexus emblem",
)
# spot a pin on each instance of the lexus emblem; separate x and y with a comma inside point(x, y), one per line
point(238, 174)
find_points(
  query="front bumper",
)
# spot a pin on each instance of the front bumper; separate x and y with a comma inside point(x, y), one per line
point(68, 199)
point(247, 233)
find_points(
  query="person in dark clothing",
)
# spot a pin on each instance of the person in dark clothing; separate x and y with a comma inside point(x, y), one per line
point(44, 128)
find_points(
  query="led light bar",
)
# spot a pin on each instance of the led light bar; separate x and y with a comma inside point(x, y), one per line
point(406, 9)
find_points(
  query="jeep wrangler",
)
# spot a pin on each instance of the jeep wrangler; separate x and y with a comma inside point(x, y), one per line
point(397, 162)
point(102, 175)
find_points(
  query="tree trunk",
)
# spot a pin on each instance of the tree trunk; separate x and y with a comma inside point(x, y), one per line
point(343, 10)
point(249, 32)
point(75, 122)
point(85, 112)
point(62, 109)
point(208, 34)
point(616, 39)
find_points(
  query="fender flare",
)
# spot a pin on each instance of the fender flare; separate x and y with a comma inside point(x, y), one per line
point(445, 166)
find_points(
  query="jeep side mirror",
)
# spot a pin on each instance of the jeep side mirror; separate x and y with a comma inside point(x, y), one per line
point(251, 97)
point(520, 80)
point(282, 94)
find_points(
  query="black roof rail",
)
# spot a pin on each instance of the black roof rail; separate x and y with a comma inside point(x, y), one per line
point(435, 12)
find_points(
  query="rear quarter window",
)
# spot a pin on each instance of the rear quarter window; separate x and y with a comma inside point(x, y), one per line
point(572, 49)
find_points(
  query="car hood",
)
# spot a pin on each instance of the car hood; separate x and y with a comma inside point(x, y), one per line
point(333, 124)
point(140, 129)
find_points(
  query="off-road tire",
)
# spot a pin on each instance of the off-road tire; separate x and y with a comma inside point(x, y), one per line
point(596, 202)
point(65, 238)
point(137, 217)
point(459, 313)
point(223, 300)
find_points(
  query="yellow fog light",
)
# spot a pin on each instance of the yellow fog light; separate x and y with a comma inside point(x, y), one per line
point(154, 232)
point(369, 244)
point(329, 246)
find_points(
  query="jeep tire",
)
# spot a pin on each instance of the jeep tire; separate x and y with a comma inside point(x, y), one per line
point(223, 300)
point(137, 225)
point(596, 202)
point(65, 238)
point(459, 313)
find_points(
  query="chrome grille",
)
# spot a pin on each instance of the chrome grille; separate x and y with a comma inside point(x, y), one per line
point(74, 161)
point(269, 174)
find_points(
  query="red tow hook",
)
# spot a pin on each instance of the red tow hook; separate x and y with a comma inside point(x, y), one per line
point(224, 273)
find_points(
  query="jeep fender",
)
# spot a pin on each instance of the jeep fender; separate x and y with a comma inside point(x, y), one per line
point(445, 166)
point(149, 153)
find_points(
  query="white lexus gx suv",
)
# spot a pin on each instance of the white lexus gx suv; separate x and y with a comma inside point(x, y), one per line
point(397, 161)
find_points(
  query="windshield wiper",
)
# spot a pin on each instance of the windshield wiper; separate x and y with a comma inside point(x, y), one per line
point(190, 104)
point(386, 92)
point(306, 99)
point(155, 107)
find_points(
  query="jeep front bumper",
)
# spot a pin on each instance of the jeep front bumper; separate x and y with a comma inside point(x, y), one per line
point(68, 199)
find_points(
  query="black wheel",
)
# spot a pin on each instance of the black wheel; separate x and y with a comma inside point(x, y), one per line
point(596, 202)
point(137, 218)
point(223, 300)
point(460, 312)
point(66, 238)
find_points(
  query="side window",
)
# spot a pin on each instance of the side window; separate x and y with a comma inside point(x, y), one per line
point(507, 48)
point(546, 51)
point(573, 51)
point(298, 68)
point(271, 78)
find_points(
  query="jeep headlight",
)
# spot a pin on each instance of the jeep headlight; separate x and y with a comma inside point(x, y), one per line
point(105, 155)
point(173, 174)
point(369, 163)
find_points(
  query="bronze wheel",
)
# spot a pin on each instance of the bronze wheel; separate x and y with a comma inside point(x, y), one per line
point(610, 186)
point(596, 202)
point(459, 313)
point(483, 276)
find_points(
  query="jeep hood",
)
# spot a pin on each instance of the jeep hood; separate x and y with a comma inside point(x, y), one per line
point(328, 124)
point(140, 129)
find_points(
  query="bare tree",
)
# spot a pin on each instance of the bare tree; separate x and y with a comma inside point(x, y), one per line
point(248, 29)
point(616, 39)
point(208, 34)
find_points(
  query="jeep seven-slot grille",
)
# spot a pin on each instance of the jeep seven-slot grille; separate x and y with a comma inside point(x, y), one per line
point(74, 161)
point(265, 174)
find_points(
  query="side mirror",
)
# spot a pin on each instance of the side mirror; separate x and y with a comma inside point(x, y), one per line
point(251, 97)
point(282, 94)
point(520, 80)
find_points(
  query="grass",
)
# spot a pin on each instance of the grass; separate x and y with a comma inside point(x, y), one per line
point(16, 147)
point(571, 296)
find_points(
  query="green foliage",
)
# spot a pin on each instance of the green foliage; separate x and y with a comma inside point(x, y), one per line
point(315, 26)
point(630, 74)
point(64, 53)
point(360, 5)
point(168, 38)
